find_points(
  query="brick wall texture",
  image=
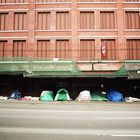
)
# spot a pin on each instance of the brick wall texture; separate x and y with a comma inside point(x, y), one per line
point(80, 30)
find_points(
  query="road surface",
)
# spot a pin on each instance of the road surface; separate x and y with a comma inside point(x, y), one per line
point(69, 121)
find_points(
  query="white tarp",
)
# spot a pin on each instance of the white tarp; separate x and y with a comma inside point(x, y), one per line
point(132, 99)
point(84, 95)
point(3, 98)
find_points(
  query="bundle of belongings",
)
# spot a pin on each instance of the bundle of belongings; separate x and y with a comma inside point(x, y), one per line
point(27, 98)
point(132, 99)
point(3, 98)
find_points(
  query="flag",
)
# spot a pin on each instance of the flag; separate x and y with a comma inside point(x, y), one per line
point(103, 49)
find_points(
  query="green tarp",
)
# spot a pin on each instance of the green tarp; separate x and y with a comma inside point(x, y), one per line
point(98, 96)
point(62, 95)
point(46, 96)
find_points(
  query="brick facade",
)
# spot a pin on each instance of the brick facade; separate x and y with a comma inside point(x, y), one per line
point(73, 29)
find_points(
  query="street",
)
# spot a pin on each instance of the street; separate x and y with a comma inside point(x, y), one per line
point(69, 121)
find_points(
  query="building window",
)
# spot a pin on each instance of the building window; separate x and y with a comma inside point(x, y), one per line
point(132, 20)
point(3, 46)
point(14, 1)
point(107, 0)
point(19, 48)
point(62, 21)
point(44, 49)
point(44, 1)
point(87, 20)
point(3, 21)
point(63, 49)
point(43, 20)
point(133, 49)
point(107, 20)
point(96, 0)
point(20, 21)
point(20, 1)
point(87, 49)
point(131, 0)
point(3, 1)
point(85, 0)
point(108, 49)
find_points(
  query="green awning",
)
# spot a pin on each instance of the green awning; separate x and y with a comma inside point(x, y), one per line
point(64, 68)
point(133, 69)
point(39, 68)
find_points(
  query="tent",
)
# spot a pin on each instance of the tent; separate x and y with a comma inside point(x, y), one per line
point(46, 96)
point(84, 96)
point(99, 96)
point(15, 94)
point(115, 96)
point(62, 95)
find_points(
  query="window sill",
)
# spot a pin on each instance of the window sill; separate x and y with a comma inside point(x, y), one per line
point(52, 30)
point(96, 2)
point(14, 30)
point(135, 30)
point(131, 2)
point(13, 3)
point(53, 2)
point(97, 30)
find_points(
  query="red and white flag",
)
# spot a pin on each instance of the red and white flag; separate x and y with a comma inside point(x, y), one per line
point(103, 49)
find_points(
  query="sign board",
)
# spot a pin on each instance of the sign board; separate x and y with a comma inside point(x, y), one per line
point(85, 66)
point(107, 67)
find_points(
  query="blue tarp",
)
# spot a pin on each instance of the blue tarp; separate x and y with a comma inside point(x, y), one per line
point(115, 96)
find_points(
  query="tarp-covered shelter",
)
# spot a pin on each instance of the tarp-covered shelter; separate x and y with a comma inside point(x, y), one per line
point(115, 96)
point(15, 94)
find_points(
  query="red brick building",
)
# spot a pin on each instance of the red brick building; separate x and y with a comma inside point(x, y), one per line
point(99, 36)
